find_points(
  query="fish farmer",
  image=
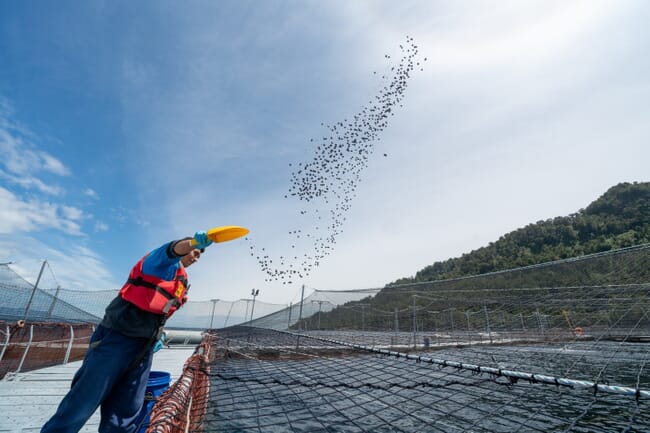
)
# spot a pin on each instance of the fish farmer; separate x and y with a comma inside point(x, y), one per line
point(115, 370)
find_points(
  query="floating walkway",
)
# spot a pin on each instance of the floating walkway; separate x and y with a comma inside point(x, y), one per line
point(28, 400)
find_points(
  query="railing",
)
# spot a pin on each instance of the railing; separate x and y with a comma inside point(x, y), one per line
point(28, 346)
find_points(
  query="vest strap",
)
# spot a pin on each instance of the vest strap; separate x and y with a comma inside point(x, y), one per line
point(140, 282)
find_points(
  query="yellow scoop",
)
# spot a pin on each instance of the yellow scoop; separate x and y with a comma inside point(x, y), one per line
point(225, 233)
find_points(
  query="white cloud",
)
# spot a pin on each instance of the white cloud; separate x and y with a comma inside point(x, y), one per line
point(24, 217)
point(23, 162)
point(30, 183)
point(53, 165)
point(71, 213)
point(76, 267)
point(515, 35)
point(17, 158)
point(91, 193)
point(20, 157)
point(35, 215)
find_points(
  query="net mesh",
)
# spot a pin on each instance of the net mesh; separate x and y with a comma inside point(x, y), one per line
point(313, 305)
point(43, 324)
point(266, 380)
point(560, 346)
point(48, 301)
point(24, 301)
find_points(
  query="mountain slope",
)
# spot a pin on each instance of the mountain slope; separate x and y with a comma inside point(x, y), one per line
point(618, 219)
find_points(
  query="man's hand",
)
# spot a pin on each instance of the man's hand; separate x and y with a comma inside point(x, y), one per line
point(201, 240)
point(160, 343)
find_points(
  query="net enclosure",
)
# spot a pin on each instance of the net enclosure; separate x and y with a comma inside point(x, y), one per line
point(44, 324)
point(47, 301)
point(559, 347)
point(270, 381)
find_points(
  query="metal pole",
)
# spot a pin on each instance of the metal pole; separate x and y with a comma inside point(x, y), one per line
point(67, 352)
point(435, 327)
point(487, 322)
point(31, 298)
point(7, 338)
point(320, 304)
point(414, 322)
point(246, 314)
point(56, 295)
point(214, 303)
point(289, 321)
point(302, 298)
point(539, 322)
point(254, 293)
point(29, 343)
point(228, 315)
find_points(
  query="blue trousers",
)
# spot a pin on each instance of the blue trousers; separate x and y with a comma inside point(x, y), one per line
point(106, 378)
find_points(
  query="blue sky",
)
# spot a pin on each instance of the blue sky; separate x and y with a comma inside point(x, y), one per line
point(127, 124)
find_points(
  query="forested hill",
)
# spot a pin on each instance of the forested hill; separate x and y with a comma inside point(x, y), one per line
point(619, 218)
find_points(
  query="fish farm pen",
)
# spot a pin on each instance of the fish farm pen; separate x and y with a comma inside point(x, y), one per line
point(560, 347)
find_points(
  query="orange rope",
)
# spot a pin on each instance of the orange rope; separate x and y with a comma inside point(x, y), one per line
point(183, 406)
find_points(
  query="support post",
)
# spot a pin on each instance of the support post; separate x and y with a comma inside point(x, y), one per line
point(7, 339)
point(539, 322)
point(56, 296)
point(254, 293)
point(67, 353)
point(31, 298)
point(320, 305)
point(214, 303)
point(29, 344)
point(302, 298)
point(289, 320)
point(487, 323)
point(414, 324)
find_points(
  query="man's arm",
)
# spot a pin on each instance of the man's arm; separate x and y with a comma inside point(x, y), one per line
point(163, 261)
point(183, 247)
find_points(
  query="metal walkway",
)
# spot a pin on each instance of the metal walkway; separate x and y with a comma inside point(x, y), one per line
point(29, 399)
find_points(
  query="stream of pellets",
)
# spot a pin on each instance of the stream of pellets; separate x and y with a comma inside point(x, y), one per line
point(325, 185)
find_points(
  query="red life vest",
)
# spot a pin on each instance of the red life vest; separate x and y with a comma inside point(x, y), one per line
point(154, 294)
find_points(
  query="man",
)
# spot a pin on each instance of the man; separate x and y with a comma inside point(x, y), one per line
point(116, 367)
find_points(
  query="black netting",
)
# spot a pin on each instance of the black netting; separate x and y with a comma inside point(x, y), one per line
point(265, 381)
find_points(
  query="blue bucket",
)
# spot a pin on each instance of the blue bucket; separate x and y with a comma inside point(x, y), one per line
point(157, 383)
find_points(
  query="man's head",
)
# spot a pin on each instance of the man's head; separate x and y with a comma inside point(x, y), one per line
point(191, 257)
